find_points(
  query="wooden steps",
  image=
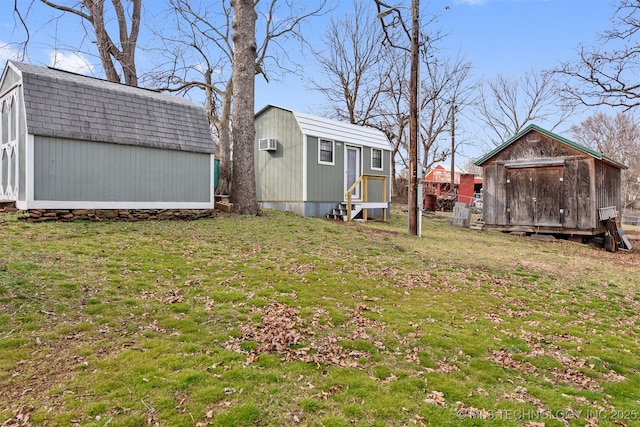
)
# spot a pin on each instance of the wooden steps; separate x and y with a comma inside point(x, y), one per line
point(222, 203)
point(477, 225)
point(340, 213)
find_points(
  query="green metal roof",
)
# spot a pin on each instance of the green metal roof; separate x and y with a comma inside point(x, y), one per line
point(552, 135)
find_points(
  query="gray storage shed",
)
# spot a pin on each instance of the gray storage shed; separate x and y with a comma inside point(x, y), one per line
point(540, 182)
point(76, 142)
point(306, 164)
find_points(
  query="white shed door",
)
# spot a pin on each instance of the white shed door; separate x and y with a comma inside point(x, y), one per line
point(352, 170)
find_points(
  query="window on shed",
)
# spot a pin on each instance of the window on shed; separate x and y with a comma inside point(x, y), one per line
point(376, 159)
point(326, 149)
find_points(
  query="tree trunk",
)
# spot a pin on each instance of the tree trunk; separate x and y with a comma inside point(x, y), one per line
point(243, 181)
point(103, 41)
point(107, 50)
point(222, 125)
point(224, 142)
point(128, 41)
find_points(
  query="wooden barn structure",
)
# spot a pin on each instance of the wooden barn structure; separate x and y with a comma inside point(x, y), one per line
point(74, 142)
point(540, 182)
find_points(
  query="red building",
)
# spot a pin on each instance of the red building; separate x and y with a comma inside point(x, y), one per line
point(437, 185)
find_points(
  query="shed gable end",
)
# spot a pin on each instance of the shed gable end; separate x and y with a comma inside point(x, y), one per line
point(535, 145)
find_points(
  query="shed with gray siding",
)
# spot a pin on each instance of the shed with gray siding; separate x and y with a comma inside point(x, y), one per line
point(76, 142)
point(307, 163)
point(540, 182)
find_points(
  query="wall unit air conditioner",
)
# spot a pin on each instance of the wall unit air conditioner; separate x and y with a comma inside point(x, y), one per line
point(268, 144)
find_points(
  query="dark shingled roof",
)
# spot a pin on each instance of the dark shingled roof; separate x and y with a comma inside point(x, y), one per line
point(68, 105)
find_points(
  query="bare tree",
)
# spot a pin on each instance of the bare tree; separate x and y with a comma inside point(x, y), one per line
point(506, 105)
point(445, 88)
point(201, 56)
point(470, 167)
point(393, 117)
point(111, 53)
point(607, 74)
point(367, 83)
point(367, 67)
point(352, 63)
point(617, 137)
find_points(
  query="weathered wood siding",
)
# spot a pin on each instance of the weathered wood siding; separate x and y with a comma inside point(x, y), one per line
point(579, 206)
point(607, 186)
point(280, 172)
point(539, 182)
point(68, 170)
point(535, 196)
point(494, 206)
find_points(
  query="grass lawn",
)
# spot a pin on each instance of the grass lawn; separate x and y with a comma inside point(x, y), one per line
point(284, 321)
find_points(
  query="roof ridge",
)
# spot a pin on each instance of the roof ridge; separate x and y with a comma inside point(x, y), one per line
point(566, 141)
point(63, 104)
point(85, 79)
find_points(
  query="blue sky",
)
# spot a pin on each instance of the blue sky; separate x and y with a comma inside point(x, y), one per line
point(506, 37)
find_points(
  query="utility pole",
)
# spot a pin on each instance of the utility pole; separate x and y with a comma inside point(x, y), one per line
point(453, 142)
point(413, 119)
point(414, 38)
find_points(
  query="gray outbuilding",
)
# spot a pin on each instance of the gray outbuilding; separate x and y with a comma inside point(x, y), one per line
point(76, 142)
point(309, 164)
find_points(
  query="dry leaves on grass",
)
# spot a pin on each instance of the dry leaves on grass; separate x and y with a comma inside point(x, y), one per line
point(329, 392)
point(173, 296)
point(493, 318)
point(436, 398)
point(20, 417)
point(282, 331)
point(575, 378)
point(521, 395)
point(359, 324)
point(300, 269)
point(506, 360)
point(570, 373)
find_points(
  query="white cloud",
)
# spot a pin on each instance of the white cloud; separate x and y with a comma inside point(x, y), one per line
point(73, 62)
point(7, 53)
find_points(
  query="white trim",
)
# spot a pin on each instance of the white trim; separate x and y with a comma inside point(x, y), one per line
point(532, 163)
point(212, 185)
point(61, 204)
point(389, 178)
point(333, 152)
point(29, 175)
point(10, 104)
point(381, 159)
point(304, 167)
point(357, 190)
point(370, 205)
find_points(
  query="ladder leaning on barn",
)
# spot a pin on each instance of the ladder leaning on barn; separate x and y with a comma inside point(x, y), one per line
point(348, 209)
